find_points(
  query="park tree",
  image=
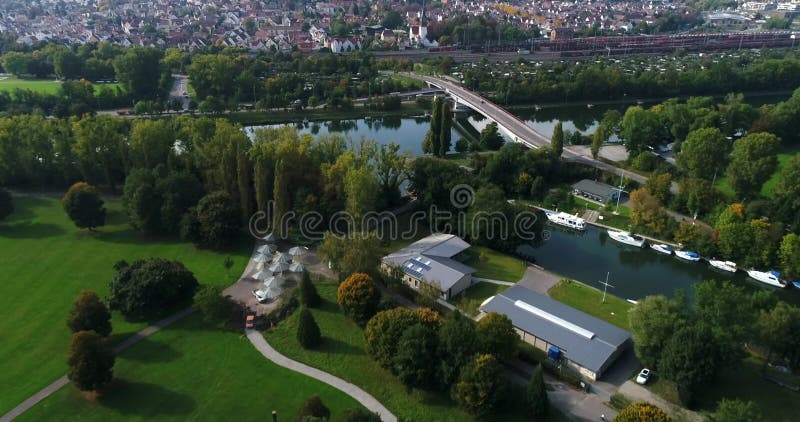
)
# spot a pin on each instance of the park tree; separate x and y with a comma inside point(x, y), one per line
point(480, 385)
point(752, 162)
point(151, 142)
point(16, 63)
point(641, 412)
point(557, 140)
point(84, 206)
point(496, 336)
point(458, 343)
point(139, 71)
point(536, 395)
point(639, 129)
point(690, 358)
point(99, 148)
point(141, 201)
point(358, 296)
point(696, 195)
point(703, 153)
point(490, 138)
point(212, 304)
point(659, 186)
point(653, 321)
point(392, 19)
point(445, 129)
point(433, 138)
point(67, 65)
point(696, 237)
point(178, 192)
point(357, 252)
point(429, 318)
point(308, 293)
point(384, 329)
point(789, 254)
point(6, 204)
point(308, 333)
point(91, 361)
point(361, 192)
point(313, 407)
point(88, 313)
point(391, 167)
point(735, 410)
point(218, 220)
point(149, 287)
point(647, 214)
point(728, 310)
point(416, 360)
point(779, 331)
point(786, 196)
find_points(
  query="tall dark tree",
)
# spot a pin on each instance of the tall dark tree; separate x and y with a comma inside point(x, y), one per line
point(139, 70)
point(308, 293)
point(434, 134)
point(212, 304)
point(704, 153)
point(384, 329)
point(653, 321)
point(786, 196)
point(480, 385)
point(91, 361)
point(458, 343)
point(88, 313)
point(6, 204)
point(84, 206)
point(490, 138)
point(557, 140)
point(752, 162)
point(416, 369)
point(218, 220)
point(496, 335)
point(690, 358)
point(445, 129)
point(536, 394)
point(308, 333)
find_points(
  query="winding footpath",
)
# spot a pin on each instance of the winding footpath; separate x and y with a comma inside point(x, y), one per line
point(351, 390)
point(57, 384)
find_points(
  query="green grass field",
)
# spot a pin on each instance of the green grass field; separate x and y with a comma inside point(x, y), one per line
point(496, 266)
point(46, 86)
point(724, 185)
point(47, 261)
point(469, 300)
point(186, 372)
point(343, 354)
point(589, 300)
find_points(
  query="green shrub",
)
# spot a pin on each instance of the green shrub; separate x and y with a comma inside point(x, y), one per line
point(308, 334)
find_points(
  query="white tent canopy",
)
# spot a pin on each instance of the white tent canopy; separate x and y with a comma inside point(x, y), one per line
point(266, 249)
point(262, 258)
point(279, 267)
point(274, 281)
point(270, 237)
point(261, 275)
point(297, 267)
point(298, 250)
point(281, 258)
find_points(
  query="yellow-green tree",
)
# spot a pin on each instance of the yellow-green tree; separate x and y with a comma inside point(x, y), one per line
point(358, 296)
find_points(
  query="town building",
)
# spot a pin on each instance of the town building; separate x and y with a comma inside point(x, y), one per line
point(596, 191)
point(434, 260)
point(578, 340)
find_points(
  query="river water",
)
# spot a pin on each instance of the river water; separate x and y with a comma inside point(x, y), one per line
point(586, 257)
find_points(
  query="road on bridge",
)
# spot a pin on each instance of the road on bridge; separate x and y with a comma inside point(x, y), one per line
point(516, 127)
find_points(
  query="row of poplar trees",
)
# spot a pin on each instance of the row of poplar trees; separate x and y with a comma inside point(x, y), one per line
point(438, 139)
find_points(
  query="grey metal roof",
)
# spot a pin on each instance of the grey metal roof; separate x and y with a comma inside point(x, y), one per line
point(584, 339)
point(429, 259)
point(596, 188)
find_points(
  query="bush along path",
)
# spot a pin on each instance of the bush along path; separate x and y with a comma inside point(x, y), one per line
point(57, 384)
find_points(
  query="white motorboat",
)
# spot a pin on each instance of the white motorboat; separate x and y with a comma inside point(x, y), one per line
point(772, 277)
point(567, 220)
point(662, 248)
point(688, 255)
point(723, 265)
point(626, 238)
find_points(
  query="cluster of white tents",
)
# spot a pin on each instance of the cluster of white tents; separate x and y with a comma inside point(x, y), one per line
point(273, 263)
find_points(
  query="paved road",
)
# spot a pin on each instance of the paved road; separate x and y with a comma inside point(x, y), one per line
point(352, 390)
point(180, 86)
point(57, 384)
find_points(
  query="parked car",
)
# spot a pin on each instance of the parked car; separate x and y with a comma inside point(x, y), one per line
point(260, 295)
point(643, 376)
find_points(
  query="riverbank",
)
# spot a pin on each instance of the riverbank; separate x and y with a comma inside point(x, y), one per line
point(359, 111)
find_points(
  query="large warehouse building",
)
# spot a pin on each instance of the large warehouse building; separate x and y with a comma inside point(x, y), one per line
point(581, 341)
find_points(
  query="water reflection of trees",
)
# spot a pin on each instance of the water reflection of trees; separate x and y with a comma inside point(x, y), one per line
point(342, 125)
point(635, 258)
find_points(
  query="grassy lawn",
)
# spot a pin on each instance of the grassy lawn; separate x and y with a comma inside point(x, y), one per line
point(743, 382)
point(589, 300)
point(469, 300)
point(724, 185)
point(47, 261)
point(48, 86)
point(343, 354)
point(495, 265)
point(186, 372)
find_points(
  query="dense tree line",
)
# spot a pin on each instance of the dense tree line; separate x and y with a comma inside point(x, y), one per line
point(603, 79)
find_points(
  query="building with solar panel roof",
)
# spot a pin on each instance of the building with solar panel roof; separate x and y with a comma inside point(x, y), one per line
point(434, 260)
point(580, 341)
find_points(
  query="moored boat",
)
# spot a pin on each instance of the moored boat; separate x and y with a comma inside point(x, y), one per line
point(723, 265)
point(626, 238)
point(567, 220)
point(796, 284)
point(688, 255)
point(772, 277)
point(662, 248)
